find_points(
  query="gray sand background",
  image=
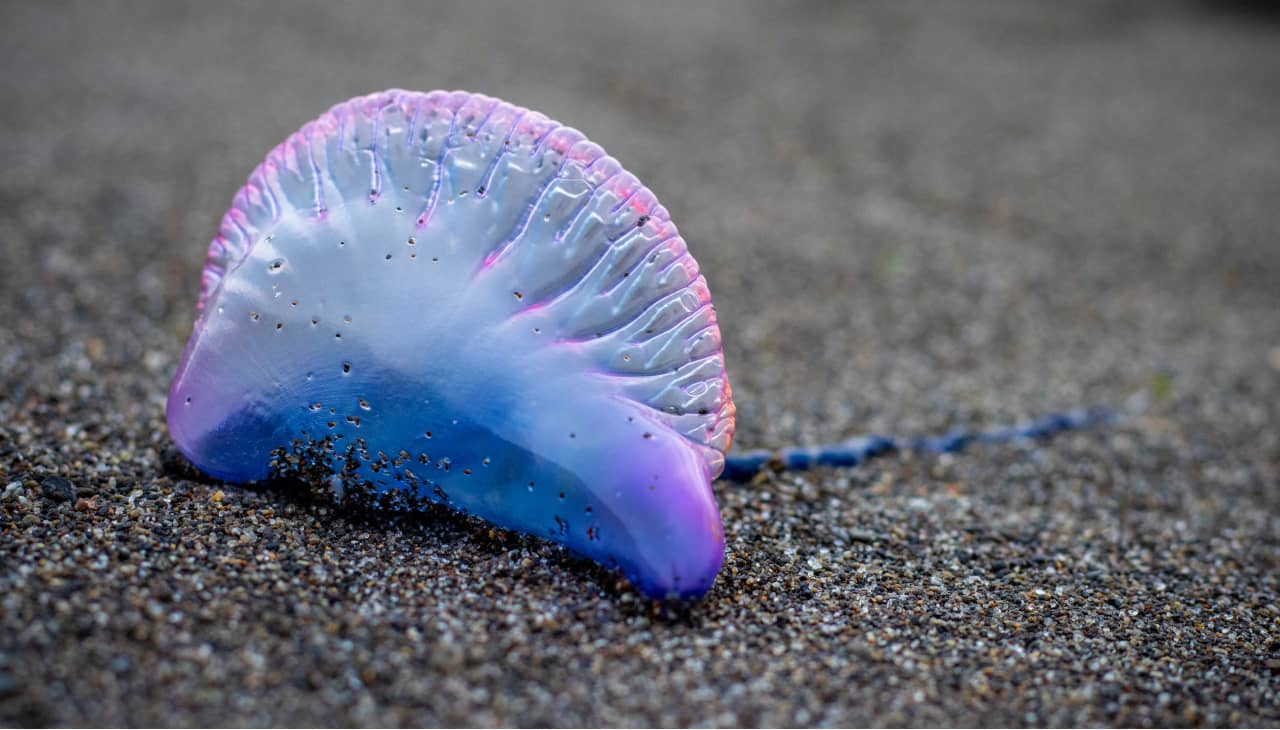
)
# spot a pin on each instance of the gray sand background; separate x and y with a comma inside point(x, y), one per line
point(913, 216)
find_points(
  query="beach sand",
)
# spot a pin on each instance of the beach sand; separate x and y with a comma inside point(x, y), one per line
point(912, 216)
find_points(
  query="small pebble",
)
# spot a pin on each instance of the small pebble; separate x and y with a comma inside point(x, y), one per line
point(57, 488)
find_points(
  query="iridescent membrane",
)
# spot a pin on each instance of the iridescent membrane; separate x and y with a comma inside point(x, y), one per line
point(443, 297)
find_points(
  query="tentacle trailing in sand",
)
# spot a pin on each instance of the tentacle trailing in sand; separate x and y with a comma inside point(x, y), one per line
point(855, 451)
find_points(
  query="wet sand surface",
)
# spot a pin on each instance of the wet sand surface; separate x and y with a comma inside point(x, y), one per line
point(913, 217)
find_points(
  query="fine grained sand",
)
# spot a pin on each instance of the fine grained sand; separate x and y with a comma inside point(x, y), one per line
point(913, 217)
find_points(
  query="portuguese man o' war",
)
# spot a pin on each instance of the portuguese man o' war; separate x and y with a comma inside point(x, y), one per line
point(441, 297)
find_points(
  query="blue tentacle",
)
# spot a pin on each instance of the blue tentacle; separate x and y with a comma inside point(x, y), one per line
point(745, 465)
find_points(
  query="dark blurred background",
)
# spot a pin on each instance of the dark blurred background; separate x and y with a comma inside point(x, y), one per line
point(913, 216)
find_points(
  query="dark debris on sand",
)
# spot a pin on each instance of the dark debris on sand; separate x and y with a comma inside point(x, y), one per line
point(913, 217)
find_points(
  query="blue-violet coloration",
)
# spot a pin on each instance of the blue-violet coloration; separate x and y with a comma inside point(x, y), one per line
point(448, 298)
